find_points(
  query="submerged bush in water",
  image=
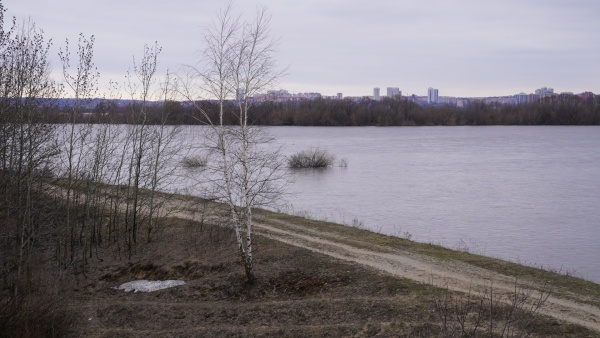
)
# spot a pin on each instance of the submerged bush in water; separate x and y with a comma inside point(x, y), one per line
point(194, 162)
point(313, 158)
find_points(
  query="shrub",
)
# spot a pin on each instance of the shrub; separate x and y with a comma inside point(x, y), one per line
point(313, 158)
point(36, 315)
point(490, 314)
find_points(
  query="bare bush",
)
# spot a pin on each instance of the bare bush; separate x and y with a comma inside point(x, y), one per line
point(490, 313)
point(312, 158)
point(36, 314)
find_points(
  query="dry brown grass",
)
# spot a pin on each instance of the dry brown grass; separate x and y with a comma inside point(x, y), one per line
point(298, 294)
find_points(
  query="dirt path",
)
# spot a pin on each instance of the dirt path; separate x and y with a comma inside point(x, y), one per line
point(456, 276)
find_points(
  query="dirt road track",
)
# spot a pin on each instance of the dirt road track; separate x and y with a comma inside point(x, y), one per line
point(456, 276)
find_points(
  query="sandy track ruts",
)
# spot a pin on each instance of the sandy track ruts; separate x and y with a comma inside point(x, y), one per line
point(456, 276)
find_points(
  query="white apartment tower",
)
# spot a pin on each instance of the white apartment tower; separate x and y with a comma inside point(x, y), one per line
point(393, 92)
point(544, 92)
point(432, 95)
point(376, 95)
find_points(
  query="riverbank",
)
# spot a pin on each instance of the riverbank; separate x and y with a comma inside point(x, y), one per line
point(315, 279)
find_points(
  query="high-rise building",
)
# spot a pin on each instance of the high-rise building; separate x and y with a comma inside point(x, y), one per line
point(532, 98)
point(432, 95)
point(376, 94)
point(521, 98)
point(544, 92)
point(393, 92)
point(340, 96)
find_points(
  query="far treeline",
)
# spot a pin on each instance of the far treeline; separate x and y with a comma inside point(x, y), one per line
point(564, 109)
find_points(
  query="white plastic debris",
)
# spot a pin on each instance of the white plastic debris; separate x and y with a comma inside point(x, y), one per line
point(148, 286)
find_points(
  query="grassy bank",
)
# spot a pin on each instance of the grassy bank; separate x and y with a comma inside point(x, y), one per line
point(299, 292)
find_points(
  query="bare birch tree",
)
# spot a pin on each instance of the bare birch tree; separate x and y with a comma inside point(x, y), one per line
point(81, 83)
point(247, 169)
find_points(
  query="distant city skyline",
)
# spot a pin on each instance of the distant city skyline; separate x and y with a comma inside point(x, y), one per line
point(431, 98)
point(464, 48)
point(432, 94)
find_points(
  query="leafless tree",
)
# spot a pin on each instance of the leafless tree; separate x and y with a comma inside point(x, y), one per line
point(151, 141)
point(27, 146)
point(164, 148)
point(139, 87)
point(246, 168)
point(81, 83)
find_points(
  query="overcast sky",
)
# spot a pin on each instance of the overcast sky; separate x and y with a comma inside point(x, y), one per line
point(461, 47)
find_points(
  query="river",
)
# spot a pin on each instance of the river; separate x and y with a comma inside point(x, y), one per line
point(522, 193)
point(528, 194)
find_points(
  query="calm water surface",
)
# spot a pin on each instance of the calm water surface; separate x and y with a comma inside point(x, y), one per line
point(526, 194)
